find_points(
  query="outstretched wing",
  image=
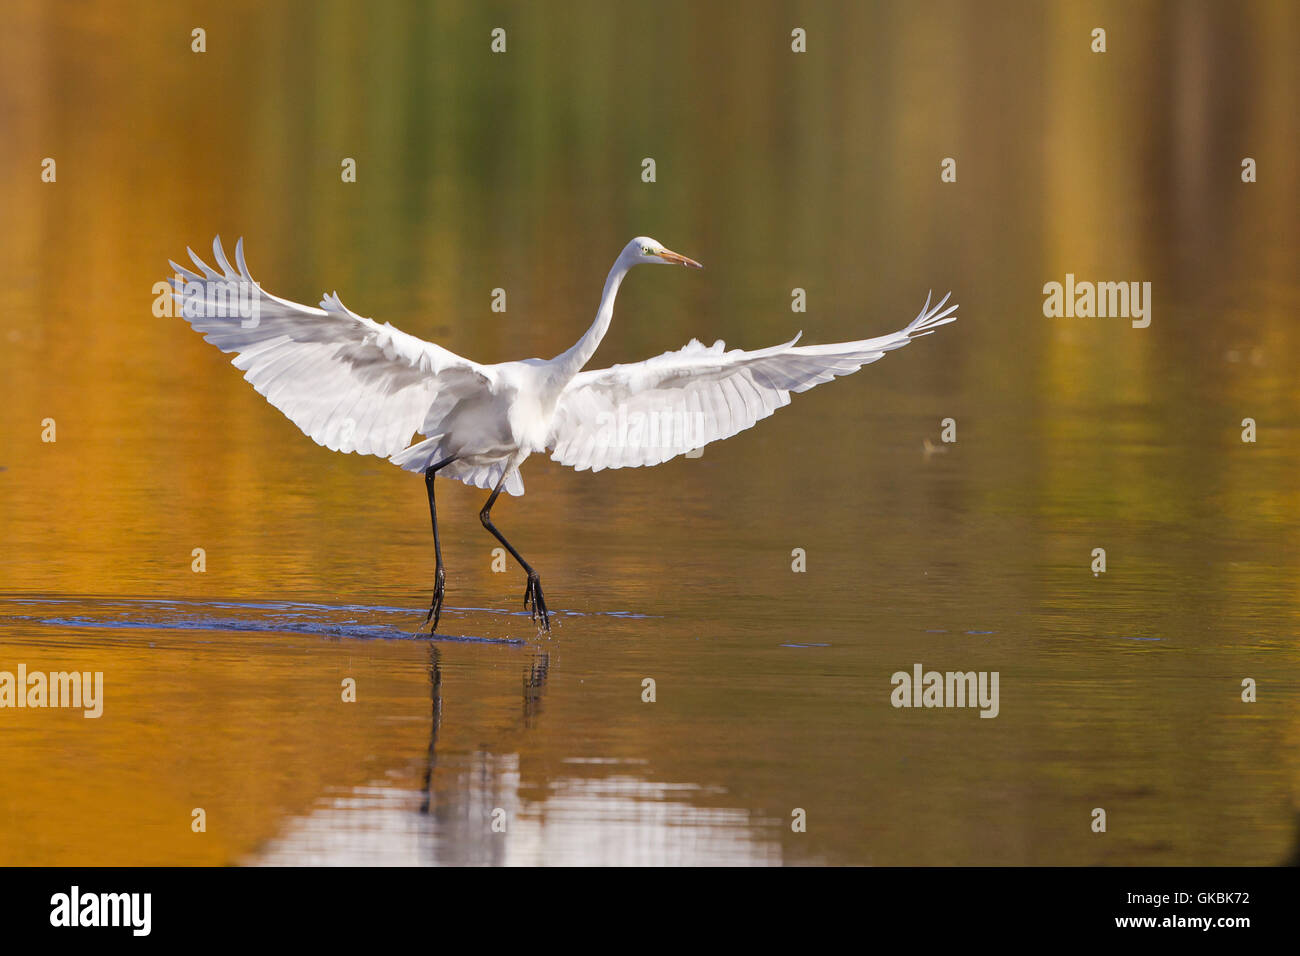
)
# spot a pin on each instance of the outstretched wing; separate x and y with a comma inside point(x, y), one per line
point(348, 382)
point(648, 412)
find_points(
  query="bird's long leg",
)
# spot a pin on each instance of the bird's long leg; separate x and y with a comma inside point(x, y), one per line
point(439, 575)
point(533, 599)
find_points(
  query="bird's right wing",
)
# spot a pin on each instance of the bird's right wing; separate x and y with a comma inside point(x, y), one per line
point(348, 382)
point(645, 413)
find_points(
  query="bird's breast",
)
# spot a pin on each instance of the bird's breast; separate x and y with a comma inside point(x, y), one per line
point(530, 424)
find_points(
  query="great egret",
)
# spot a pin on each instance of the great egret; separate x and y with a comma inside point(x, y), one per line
point(354, 385)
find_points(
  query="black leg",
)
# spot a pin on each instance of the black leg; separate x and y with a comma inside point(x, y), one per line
point(533, 599)
point(439, 575)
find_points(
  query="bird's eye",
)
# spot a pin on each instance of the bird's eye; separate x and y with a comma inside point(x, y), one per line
point(647, 251)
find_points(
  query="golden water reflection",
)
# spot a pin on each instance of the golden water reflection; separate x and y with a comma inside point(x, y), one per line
point(1120, 690)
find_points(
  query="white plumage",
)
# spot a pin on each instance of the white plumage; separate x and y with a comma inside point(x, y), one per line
point(354, 385)
point(701, 395)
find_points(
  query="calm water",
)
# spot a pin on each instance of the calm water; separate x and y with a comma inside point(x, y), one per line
point(522, 171)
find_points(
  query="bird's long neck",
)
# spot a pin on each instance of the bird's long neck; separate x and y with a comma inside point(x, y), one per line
point(572, 361)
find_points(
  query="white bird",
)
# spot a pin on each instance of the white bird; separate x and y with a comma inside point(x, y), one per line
point(354, 385)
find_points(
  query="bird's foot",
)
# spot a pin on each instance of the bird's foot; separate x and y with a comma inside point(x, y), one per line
point(534, 602)
point(435, 607)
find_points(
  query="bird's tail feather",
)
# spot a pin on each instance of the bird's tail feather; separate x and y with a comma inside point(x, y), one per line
point(422, 454)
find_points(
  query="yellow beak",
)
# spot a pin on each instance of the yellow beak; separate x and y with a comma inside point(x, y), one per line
point(678, 259)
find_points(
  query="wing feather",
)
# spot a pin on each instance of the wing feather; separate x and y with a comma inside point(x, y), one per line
point(645, 413)
point(348, 382)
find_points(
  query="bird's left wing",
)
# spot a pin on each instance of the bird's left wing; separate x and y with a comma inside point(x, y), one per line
point(348, 382)
point(645, 413)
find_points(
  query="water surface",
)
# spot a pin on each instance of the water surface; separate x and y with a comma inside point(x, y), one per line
point(224, 689)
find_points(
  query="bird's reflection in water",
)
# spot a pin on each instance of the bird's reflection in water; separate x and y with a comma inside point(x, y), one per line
point(435, 696)
point(533, 686)
point(475, 801)
point(486, 806)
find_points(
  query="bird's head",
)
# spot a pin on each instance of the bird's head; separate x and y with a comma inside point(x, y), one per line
point(643, 249)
